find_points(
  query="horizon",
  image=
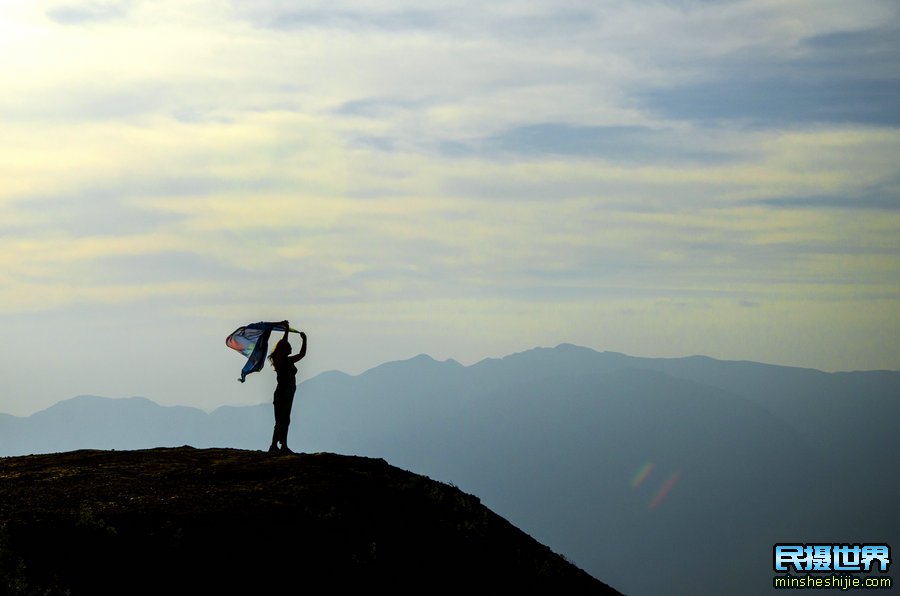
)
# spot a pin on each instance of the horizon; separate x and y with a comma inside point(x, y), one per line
point(267, 402)
point(457, 179)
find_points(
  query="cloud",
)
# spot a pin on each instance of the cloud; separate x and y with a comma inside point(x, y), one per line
point(779, 101)
point(629, 144)
point(79, 13)
point(522, 172)
point(835, 76)
point(459, 17)
point(887, 202)
point(92, 212)
point(299, 18)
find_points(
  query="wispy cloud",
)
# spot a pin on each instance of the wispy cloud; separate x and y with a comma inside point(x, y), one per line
point(407, 170)
point(79, 13)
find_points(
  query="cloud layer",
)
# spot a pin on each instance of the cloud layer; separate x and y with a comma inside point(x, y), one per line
point(662, 178)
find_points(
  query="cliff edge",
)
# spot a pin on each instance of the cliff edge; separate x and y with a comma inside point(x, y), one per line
point(231, 521)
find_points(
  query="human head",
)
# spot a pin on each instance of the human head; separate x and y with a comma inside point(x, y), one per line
point(281, 349)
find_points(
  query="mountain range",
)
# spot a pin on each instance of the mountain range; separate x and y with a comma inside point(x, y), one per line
point(671, 476)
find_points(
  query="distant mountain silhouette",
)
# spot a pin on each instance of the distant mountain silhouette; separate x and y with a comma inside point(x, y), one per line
point(219, 521)
point(695, 464)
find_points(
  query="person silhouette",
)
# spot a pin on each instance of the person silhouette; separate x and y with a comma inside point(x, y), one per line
point(286, 373)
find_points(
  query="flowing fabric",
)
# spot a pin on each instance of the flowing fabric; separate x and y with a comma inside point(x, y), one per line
point(253, 342)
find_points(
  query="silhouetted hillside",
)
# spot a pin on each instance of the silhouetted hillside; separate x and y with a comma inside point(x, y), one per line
point(220, 521)
point(698, 465)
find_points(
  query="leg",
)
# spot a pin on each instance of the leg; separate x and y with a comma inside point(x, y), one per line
point(278, 403)
point(274, 445)
point(284, 420)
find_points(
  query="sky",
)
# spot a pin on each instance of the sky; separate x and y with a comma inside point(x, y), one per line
point(463, 179)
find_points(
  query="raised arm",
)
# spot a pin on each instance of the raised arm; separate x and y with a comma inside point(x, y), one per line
point(287, 327)
point(299, 355)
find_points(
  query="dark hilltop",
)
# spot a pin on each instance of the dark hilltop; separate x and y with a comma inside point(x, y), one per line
point(229, 521)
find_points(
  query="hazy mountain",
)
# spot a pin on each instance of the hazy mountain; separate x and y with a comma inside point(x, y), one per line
point(657, 475)
point(224, 521)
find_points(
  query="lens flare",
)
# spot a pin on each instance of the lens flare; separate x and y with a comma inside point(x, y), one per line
point(641, 475)
point(664, 491)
